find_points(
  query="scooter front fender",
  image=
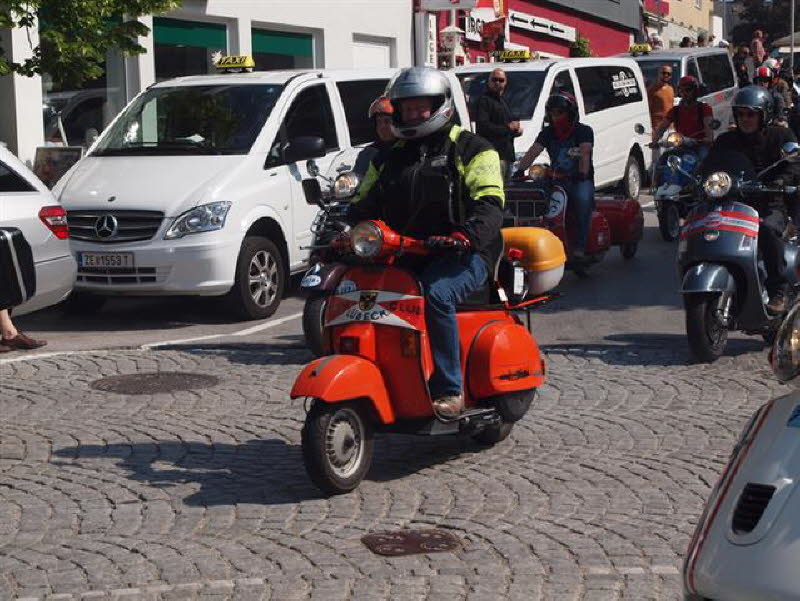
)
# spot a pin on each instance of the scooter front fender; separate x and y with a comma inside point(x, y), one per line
point(337, 378)
point(323, 277)
point(707, 277)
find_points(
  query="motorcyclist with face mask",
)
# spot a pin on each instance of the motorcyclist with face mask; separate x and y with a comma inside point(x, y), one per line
point(442, 184)
point(762, 143)
point(564, 133)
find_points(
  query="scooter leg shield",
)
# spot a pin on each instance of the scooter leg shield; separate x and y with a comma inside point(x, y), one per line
point(338, 378)
point(707, 277)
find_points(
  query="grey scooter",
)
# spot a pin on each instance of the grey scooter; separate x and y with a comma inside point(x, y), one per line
point(722, 275)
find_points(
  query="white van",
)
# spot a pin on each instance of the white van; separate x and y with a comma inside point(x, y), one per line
point(712, 67)
point(611, 98)
point(195, 188)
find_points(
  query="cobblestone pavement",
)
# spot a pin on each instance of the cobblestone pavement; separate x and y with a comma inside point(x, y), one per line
point(202, 494)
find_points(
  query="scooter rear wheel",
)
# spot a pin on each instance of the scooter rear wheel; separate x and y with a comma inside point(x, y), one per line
point(493, 434)
point(337, 442)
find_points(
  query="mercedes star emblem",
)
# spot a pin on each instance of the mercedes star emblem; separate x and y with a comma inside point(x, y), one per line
point(106, 227)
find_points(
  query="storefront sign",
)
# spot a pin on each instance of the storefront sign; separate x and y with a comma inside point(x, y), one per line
point(473, 22)
point(426, 39)
point(542, 26)
point(448, 4)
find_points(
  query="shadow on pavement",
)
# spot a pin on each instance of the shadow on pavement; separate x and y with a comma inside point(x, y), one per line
point(249, 353)
point(267, 472)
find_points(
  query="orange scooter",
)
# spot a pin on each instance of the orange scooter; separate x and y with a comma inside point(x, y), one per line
point(376, 378)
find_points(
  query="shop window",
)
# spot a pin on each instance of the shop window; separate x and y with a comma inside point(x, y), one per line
point(282, 50)
point(186, 47)
point(356, 98)
point(607, 87)
point(11, 182)
point(309, 115)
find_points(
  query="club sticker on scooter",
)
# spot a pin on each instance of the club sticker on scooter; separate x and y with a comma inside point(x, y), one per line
point(728, 221)
point(346, 286)
point(374, 306)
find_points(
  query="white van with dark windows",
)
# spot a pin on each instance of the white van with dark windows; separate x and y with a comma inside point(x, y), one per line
point(712, 67)
point(611, 99)
point(196, 187)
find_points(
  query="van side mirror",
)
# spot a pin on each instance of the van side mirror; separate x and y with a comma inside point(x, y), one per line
point(312, 191)
point(304, 147)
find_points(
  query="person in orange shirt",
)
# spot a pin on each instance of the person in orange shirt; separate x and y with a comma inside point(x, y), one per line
point(661, 96)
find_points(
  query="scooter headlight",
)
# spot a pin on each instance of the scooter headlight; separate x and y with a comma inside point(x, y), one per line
point(366, 239)
point(346, 185)
point(539, 172)
point(674, 139)
point(717, 184)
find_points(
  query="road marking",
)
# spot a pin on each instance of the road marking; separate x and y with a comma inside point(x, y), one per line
point(245, 332)
point(53, 354)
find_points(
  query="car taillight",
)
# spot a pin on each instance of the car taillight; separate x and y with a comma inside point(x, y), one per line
point(55, 218)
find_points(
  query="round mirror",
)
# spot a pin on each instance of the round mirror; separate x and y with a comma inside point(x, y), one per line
point(715, 123)
point(638, 128)
point(791, 151)
point(785, 355)
point(674, 162)
point(312, 168)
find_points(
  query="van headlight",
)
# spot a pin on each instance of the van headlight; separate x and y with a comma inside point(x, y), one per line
point(203, 218)
point(366, 239)
point(346, 185)
point(718, 184)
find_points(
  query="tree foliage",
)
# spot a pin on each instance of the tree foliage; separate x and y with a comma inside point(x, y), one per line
point(74, 35)
point(770, 17)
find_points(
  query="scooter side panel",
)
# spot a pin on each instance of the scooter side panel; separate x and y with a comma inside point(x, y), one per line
point(504, 358)
point(337, 378)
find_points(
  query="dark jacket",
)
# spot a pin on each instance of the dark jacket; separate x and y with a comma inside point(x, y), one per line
point(763, 149)
point(491, 122)
point(435, 186)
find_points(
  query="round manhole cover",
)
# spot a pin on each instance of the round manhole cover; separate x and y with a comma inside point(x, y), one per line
point(154, 383)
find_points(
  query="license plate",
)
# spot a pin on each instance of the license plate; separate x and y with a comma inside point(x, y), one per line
point(109, 260)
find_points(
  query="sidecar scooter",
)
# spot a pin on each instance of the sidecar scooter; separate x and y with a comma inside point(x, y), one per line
point(376, 377)
point(540, 201)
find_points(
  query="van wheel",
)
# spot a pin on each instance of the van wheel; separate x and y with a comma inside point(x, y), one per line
point(260, 279)
point(632, 179)
point(83, 303)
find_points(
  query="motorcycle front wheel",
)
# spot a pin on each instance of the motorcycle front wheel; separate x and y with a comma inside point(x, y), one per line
point(669, 221)
point(313, 320)
point(707, 335)
point(337, 441)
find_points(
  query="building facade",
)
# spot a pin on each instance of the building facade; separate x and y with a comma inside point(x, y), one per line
point(279, 34)
point(673, 20)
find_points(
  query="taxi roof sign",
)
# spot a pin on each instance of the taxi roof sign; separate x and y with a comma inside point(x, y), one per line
point(237, 64)
point(514, 55)
point(640, 49)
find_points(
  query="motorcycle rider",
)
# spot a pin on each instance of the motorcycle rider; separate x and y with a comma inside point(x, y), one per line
point(442, 184)
point(380, 114)
point(692, 118)
point(577, 173)
point(764, 78)
point(762, 143)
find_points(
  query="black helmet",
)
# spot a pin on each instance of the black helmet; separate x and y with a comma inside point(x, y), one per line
point(565, 101)
point(755, 98)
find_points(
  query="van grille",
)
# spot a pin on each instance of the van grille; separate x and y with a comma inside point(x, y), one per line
point(752, 503)
point(113, 227)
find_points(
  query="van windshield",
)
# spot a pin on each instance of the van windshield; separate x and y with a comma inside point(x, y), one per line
point(651, 70)
point(192, 120)
point(522, 91)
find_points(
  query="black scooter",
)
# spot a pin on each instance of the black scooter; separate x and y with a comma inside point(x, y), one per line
point(722, 274)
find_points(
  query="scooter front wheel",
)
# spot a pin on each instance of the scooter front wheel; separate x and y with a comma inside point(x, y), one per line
point(707, 335)
point(313, 320)
point(337, 442)
point(669, 221)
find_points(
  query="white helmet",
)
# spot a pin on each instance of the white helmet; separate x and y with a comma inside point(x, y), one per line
point(421, 82)
point(773, 63)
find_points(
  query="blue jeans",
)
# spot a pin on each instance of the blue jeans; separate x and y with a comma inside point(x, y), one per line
point(580, 195)
point(446, 282)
